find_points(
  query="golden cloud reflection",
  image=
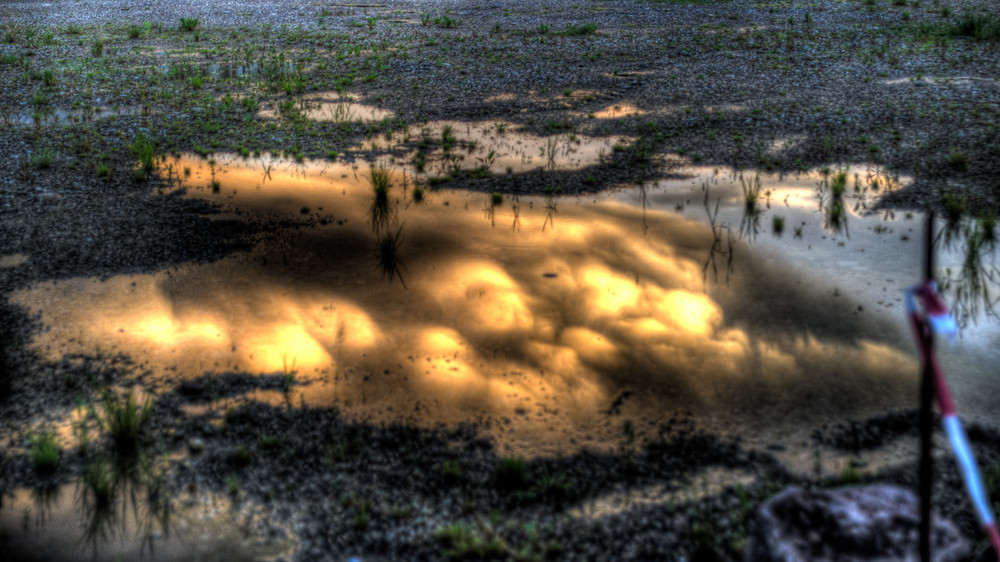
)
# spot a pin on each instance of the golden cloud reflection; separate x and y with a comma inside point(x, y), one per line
point(541, 328)
point(490, 301)
point(618, 111)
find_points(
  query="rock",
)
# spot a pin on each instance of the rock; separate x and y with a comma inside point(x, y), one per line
point(196, 445)
point(878, 522)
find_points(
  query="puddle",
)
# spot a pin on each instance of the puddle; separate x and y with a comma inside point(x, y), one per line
point(67, 523)
point(330, 107)
point(501, 98)
point(618, 111)
point(498, 147)
point(63, 117)
point(938, 81)
point(184, 70)
point(544, 317)
point(10, 261)
point(868, 257)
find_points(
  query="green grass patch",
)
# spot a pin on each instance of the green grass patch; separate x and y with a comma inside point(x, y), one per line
point(100, 481)
point(981, 27)
point(463, 542)
point(44, 452)
point(511, 474)
point(125, 419)
point(584, 29)
point(188, 24)
point(143, 149)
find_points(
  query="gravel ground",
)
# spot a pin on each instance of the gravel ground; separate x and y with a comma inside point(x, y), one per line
point(752, 84)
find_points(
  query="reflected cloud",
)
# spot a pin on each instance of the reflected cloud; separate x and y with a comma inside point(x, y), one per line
point(543, 326)
point(618, 111)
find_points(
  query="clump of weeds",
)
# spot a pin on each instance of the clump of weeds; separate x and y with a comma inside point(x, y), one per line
point(44, 452)
point(125, 419)
point(143, 148)
point(386, 252)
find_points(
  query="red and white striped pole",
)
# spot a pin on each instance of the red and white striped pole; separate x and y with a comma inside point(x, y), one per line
point(936, 319)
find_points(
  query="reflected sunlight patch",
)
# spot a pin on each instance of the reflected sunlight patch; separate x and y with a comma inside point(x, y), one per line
point(161, 329)
point(692, 312)
point(592, 347)
point(606, 293)
point(484, 298)
point(446, 369)
point(285, 348)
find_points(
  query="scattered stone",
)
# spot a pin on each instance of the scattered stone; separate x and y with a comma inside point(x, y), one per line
point(878, 522)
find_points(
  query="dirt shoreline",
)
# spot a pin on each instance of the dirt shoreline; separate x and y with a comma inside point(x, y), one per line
point(746, 84)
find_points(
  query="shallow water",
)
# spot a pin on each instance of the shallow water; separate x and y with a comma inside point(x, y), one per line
point(545, 318)
point(66, 523)
point(64, 117)
point(618, 111)
point(331, 107)
point(499, 147)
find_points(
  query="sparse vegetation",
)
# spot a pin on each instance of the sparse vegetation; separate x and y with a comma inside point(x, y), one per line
point(188, 24)
point(751, 191)
point(778, 224)
point(100, 481)
point(386, 252)
point(583, 29)
point(511, 474)
point(44, 452)
point(125, 419)
point(144, 150)
point(958, 160)
point(440, 20)
point(466, 543)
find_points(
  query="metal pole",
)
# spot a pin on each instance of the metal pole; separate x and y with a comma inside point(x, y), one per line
point(926, 404)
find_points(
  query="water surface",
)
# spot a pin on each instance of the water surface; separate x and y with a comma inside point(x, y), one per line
point(546, 319)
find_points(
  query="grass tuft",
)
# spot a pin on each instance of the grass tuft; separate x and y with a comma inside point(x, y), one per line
point(100, 481)
point(958, 160)
point(386, 252)
point(125, 419)
point(380, 178)
point(465, 543)
point(44, 452)
point(778, 224)
point(189, 24)
point(839, 184)
point(981, 27)
point(751, 191)
point(144, 150)
point(585, 29)
point(511, 474)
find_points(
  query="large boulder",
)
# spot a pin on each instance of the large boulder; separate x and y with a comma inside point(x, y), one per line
point(869, 523)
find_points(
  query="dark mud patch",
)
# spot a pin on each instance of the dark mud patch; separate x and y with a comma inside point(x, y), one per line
point(76, 235)
point(865, 435)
